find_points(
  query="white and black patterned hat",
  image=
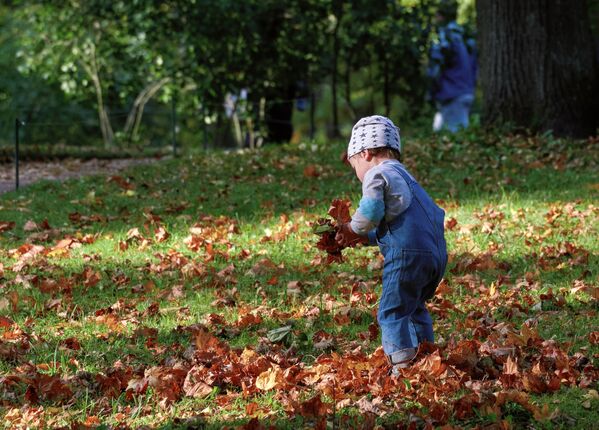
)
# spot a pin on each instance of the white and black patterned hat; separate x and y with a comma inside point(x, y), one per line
point(374, 131)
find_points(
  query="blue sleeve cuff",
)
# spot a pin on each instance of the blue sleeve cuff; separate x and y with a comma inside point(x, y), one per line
point(372, 237)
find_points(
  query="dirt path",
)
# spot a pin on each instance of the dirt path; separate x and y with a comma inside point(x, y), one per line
point(33, 171)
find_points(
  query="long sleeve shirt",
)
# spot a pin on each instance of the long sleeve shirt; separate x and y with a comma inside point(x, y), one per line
point(385, 195)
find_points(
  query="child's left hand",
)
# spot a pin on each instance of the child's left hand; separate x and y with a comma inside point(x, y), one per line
point(346, 236)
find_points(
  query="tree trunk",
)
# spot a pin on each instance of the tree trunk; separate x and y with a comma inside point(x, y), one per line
point(133, 122)
point(537, 65)
point(386, 90)
point(338, 11)
point(347, 81)
point(93, 71)
point(237, 129)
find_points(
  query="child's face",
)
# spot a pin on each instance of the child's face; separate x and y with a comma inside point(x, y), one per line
point(361, 163)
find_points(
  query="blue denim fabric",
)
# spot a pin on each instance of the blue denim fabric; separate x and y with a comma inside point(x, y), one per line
point(414, 248)
point(454, 113)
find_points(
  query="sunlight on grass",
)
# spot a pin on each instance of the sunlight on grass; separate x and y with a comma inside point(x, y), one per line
point(134, 268)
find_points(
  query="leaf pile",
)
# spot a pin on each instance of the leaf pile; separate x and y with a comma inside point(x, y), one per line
point(327, 229)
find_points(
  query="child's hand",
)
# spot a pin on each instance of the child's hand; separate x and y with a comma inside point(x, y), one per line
point(346, 236)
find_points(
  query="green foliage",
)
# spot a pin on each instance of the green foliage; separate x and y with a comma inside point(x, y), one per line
point(115, 57)
point(66, 44)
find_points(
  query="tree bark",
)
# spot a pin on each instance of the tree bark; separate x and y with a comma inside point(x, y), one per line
point(93, 71)
point(133, 122)
point(338, 11)
point(347, 81)
point(537, 65)
point(386, 90)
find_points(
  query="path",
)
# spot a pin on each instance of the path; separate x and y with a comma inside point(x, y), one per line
point(60, 170)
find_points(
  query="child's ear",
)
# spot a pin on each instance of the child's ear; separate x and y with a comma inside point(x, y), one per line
point(368, 155)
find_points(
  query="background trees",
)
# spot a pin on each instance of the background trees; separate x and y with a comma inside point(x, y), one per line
point(96, 49)
point(112, 61)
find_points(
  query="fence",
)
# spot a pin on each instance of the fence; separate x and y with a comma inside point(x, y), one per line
point(159, 125)
point(32, 133)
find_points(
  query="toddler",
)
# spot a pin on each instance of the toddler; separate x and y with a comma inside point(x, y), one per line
point(396, 214)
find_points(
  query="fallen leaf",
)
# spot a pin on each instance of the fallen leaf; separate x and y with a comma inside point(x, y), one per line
point(267, 380)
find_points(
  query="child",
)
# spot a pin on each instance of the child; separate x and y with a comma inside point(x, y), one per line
point(397, 214)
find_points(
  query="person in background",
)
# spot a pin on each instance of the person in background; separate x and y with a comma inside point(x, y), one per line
point(451, 71)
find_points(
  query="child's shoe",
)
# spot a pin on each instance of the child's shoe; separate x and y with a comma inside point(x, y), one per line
point(401, 359)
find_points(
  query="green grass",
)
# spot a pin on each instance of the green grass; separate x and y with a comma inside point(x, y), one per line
point(525, 237)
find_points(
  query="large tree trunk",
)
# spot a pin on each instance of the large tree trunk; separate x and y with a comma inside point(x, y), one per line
point(537, 65)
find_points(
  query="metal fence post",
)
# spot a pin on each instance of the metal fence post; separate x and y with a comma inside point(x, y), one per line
point(17, 125)
point(312, 112)
point(204, 127)
point(174, 124)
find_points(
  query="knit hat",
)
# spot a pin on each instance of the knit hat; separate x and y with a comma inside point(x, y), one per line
point(373, 132)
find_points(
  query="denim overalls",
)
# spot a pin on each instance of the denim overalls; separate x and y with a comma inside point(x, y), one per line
point(415, 254)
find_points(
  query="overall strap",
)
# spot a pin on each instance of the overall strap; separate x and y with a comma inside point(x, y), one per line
point(404, 174)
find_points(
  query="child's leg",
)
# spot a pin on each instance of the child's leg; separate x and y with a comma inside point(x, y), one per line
point(399, 334)
point(423, 324)
point(402, 315)
point(398, 303)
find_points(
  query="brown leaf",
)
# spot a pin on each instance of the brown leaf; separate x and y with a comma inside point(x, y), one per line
point(269, 379)
point(6, 225)
point(311, 171)
point(5, 322)
point(195, 382)
point(369, 406)
point(339, 210)
point(312, 408)
point(90, 277)
point(511, 367)
point(451, 224)
point(121, 182)
point(161, 235)
point(534, 383)
point(66, 243)
point(30, 226)
point(464, 406)
point(71, 343)
point(49, 387)
point(137, 385)
point(322, 340)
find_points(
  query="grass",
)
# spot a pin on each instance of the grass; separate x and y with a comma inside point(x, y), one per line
point(523, 249)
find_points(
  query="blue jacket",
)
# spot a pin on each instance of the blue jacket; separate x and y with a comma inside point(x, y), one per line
point(452, 67)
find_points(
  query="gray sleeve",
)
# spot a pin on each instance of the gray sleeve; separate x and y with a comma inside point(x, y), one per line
point(371, 210)
point(398, 197)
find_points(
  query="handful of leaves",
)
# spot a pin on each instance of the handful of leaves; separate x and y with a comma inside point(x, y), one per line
point(327, 229)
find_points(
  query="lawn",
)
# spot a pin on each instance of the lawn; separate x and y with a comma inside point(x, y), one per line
point(189, 293)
